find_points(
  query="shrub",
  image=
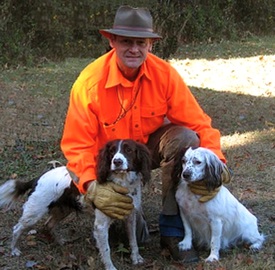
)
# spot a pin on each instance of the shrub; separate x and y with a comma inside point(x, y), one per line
point(31, 30)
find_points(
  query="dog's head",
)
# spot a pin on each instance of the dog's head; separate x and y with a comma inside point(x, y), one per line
point(123, 156)
point(198, 164)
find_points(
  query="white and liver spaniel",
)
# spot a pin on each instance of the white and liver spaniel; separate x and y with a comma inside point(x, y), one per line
point(217, 223)
point(52, 193)
point(126, 163)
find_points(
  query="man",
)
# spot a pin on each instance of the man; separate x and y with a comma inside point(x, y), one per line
point(130, 93)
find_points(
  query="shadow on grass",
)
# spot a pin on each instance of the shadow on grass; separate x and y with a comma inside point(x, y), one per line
point(236, 113)
point(231, 113)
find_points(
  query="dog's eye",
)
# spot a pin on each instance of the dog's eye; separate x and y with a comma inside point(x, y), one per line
point(112, 150)
point(128, 150)
point(197, 162)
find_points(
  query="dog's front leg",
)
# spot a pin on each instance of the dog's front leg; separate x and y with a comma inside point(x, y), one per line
point(216, 235)
point(131, 224)
point(101, 234)
point(186, 243)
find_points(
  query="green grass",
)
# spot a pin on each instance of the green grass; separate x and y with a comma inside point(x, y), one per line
point(251, 46)
point(47, 80)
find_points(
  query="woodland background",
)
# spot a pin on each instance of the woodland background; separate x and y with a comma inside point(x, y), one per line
point(32, 31)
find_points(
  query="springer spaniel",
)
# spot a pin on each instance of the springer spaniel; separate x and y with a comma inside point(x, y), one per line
point(126, 163)
point(217, 223)
point(53, 192)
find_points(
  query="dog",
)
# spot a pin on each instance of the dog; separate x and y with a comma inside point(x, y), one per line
point(220, 222)
point(126, 163)
point(53, 192)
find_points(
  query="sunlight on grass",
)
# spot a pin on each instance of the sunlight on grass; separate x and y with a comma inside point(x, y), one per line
point(252, 75)
point(248, 138)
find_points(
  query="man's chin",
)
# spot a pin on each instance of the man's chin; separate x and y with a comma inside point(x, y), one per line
point(133, 64)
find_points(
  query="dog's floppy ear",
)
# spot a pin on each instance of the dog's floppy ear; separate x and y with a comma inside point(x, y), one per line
point(177, 167)
point(144, 162)
point(213, 172)
point(103, 163)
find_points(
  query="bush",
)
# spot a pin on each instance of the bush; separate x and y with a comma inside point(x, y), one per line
point(32, 31)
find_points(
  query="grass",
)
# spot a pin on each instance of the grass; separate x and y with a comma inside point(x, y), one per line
point(234, 83)
point(252, 46)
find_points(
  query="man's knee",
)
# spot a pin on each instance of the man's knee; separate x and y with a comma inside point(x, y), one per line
point(165, 142)
point(175, 139)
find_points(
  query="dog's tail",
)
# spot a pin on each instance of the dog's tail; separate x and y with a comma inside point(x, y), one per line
point(12, 190)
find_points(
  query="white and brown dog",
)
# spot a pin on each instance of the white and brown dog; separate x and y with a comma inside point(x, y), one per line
point(217, 223)
point(126, 163)
point(52, 193)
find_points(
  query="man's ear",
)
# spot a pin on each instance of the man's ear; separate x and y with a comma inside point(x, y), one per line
point(151, 46)
point(111, 41)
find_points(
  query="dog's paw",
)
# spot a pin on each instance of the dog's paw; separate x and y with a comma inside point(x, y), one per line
point(212, 258)
point(15, 252)
point(185, 244)
point(137, 260)
point(256, 246)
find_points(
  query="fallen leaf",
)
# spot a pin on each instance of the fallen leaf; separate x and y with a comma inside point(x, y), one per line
point(240, 256)
point(157, 191)
point(269, 124)
point(250, 190)
point(41, 267)
point(249, 261)
point(31, 243)
point(14, 176)
point(199, 267)
point(91, 263)
point(30, 264)
point(2, 250)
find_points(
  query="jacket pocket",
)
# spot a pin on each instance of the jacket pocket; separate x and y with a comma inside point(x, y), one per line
point(152, 118)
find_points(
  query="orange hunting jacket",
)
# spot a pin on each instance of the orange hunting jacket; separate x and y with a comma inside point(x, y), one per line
point(101, 95)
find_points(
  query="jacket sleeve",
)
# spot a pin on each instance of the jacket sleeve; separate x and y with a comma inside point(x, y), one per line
point(78, 142)
point(185, 110)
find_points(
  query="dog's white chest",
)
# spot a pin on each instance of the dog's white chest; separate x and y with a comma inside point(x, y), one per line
point(132, 181)
point(188, 200)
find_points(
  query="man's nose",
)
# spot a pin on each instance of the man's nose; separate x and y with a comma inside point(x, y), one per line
point(134, 47)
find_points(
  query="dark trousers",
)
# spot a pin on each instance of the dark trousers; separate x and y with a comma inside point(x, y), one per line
point(164, 143)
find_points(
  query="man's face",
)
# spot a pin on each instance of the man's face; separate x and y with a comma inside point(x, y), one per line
point(131, 52)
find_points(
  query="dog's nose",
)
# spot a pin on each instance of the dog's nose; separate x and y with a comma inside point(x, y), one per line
point(118, 162)
point(186, 174)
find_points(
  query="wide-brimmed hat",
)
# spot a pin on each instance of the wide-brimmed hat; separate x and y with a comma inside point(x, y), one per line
point(132, 22)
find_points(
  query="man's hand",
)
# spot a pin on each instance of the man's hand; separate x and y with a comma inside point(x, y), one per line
point(110, 198)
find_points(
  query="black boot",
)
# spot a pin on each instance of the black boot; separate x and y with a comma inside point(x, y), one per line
point(171, 244)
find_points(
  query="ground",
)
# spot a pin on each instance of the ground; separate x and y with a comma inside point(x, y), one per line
point(235, 85)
